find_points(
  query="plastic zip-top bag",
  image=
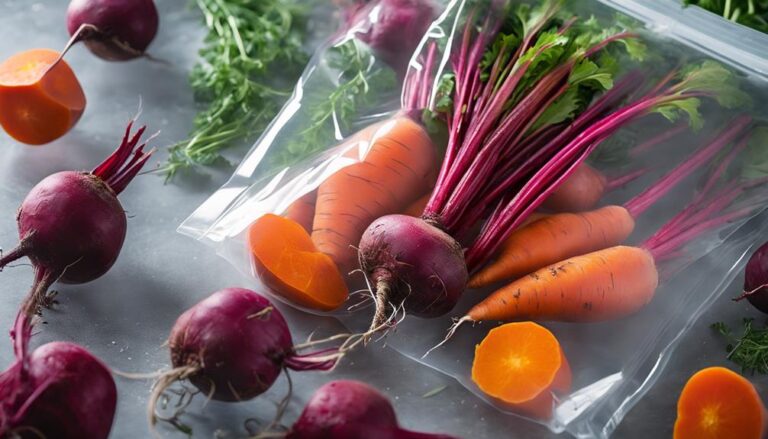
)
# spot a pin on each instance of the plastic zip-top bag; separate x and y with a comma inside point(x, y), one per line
point(549, 195)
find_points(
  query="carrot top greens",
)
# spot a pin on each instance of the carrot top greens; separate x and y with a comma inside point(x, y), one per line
point(234, 80)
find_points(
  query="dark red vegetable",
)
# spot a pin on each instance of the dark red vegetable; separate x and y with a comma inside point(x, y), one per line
point(71, 224)
point(115, 30)
point(351, 410)
point(395, 28)
point(58, 391)
point(233, 346)
point(756, 279)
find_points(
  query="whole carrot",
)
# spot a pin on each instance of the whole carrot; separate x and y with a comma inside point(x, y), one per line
point(393, 172)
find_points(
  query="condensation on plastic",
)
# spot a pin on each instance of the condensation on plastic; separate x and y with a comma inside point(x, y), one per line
point(613, 363)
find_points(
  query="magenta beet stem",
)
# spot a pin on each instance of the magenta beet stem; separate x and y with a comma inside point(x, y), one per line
point(639, 204)
point(623, 180)
point(117, 171)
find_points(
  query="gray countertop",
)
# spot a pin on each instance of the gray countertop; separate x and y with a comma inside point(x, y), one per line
point(124, 317)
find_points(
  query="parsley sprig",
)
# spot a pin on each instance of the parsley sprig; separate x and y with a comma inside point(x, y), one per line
point(750, 350)
point(251, 58)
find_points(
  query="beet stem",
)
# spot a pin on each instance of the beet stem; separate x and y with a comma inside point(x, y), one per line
point(17, 253)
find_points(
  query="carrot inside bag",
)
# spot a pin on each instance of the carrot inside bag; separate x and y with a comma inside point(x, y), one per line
point(563, 235)
point(522, 365)
point(287, 261)
point(717, 403)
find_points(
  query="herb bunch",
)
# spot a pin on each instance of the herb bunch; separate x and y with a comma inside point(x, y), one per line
point(249, 44)
point(750, 350)
point(357, 85)
point(750, 13)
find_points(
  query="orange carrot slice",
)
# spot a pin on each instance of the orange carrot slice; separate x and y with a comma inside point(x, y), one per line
point(38, 107)
point(286, 260)
point(522, 365)
point(717, 403)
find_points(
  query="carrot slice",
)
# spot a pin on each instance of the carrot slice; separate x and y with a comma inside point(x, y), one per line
point(286, 260)
point(38, 107)
point(522, 365)
point(717, 403)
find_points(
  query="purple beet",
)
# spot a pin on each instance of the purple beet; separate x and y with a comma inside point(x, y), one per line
point(396, 28)
point(71, 224)
point(232, 346)
point(60, 391)
point(413, 263)
point(351, 410)
point(756, 279)
point(114, 30)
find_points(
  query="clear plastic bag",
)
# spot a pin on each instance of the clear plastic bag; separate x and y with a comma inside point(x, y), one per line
point(613, 363)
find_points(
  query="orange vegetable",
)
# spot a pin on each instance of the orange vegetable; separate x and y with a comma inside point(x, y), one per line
point(416, 209)
point(581, 191)
point(522, 365)
point(302, 211)
point(38, 107)
point(397, 167)
point(287, 261)
point(554, 238)
point(717, 403)
point(602, 285)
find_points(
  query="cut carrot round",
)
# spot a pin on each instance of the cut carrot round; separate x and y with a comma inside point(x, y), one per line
point(717, 403)
point(38, 107)
point(287, 261)
point(522, 365)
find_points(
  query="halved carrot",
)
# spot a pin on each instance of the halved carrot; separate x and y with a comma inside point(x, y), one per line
point(717, 403)
point(39, 104)
point(522, 365)
point(554, 238)
point(286, 260)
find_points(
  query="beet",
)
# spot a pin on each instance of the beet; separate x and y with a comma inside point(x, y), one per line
point(756, 279)
point(71, 225)
point(396, 28)
point(350, 410)
point(60, 391)
point(413, 263)
point(233, 345)
point(114, 30)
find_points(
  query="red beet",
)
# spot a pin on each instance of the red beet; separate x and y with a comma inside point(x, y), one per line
point(233, 346)
point(413, 263)
point(396, 28)
point(59, 391)
point(351, 410)
point(71, 225)
point(115, 30)
point(756, 279)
